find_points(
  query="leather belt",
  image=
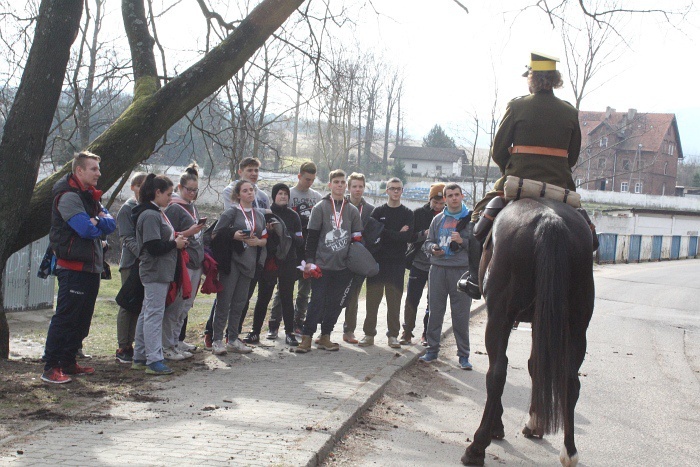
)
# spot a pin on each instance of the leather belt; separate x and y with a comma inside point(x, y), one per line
point(542, 150)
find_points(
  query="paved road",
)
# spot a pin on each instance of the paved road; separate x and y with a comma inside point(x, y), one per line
point(640, 395)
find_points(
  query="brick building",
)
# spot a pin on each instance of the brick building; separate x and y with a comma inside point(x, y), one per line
point(628, 152)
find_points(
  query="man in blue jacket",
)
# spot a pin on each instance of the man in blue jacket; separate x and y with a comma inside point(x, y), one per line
point(78, 223)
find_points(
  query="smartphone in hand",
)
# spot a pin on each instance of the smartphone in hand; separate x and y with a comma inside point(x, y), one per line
point(246, 232)
point(201, 221)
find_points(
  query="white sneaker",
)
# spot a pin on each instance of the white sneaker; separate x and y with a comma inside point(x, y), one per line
point(237, 346)
point(184, 353)
point(366, 341)
point(182, 345)
point(172, 354)
point(218, 348)
point(394, 343)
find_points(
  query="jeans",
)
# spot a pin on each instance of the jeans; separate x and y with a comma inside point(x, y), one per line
point(327, 294)
point(75, 304)
point(300, 306)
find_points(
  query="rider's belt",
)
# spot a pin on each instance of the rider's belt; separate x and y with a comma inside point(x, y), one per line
point(539, 150)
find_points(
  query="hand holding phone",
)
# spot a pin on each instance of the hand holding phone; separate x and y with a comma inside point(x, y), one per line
point(246, 232)
point(201, 221)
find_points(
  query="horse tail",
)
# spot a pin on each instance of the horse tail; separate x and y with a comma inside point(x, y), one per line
point(550, 326)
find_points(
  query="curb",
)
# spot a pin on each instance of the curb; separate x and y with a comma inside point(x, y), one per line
point(367, 394)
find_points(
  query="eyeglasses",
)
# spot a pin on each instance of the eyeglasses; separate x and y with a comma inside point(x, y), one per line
point(395, 189)
point(191, 190)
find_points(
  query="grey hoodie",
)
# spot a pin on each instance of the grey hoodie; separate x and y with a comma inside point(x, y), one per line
point(441, 229)
point(334, 242)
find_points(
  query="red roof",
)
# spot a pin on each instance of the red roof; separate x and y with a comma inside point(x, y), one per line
point(626, 130)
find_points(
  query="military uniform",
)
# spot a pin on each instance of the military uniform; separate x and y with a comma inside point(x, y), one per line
point(530, 125)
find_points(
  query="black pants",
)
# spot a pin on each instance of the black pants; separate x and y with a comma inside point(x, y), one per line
point(328, 293)
point(417, 279)
point(266, 286)
point(75, 304)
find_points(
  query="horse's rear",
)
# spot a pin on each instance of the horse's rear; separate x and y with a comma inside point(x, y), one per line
point(540, 271)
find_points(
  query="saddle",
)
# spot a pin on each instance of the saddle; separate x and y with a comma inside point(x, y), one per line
point(517, 188)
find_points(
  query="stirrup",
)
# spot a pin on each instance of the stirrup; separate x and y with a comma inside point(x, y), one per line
point(464, 284)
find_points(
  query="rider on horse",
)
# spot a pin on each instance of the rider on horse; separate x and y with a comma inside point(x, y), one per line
point(539, 138)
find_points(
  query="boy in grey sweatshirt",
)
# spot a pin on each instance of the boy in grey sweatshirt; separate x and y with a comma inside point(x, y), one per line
point(447, 247)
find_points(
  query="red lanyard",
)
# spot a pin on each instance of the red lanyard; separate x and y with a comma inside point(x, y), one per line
point(338, 216)
point(251, 223)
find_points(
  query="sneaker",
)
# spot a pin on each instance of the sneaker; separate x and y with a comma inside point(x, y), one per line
point(350, 338)
point(405, 338)
point(251, 338)
point(159, 368)
point(124, 356)
point(428, 357)
point(324, 343)
point(218, 348)
point(394, 343)
point(184, 353)
point(55, 376)
point(138, 365)
point(182, 345)
point(237, 346)
point(423, 341)
point(82, 355)
point(366, 341)
point(304, 346)
point(172, 354)
point(273, 333)
point(291, 340)
point(77, 370)
point(298, 331)
point(464, 363)
point(207, 341)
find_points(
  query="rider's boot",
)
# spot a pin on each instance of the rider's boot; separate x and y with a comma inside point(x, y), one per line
point(471, 285)
point(594, 234)
point(485, 222)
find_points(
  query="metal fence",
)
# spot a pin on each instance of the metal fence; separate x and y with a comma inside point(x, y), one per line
point(618, 248)
point(22, 289)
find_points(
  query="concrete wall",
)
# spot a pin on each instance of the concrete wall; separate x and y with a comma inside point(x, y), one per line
point(629, 223)
point(639, 200)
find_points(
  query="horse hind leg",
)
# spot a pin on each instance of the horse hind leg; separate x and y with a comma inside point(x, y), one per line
point(568, 456)
point(530, 429)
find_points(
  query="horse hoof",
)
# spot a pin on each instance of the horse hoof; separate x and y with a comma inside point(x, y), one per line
point(498, 433)
point(531, 433)
point(473, 458)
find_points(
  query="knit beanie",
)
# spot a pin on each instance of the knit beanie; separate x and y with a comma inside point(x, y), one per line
point(277, 188)
point(436, 190)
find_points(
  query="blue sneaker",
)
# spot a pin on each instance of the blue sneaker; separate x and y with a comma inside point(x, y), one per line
point(159, 368)
point(428, 357)
point(464, 363)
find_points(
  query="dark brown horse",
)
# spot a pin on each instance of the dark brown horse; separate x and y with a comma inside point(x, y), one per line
point(539, 269)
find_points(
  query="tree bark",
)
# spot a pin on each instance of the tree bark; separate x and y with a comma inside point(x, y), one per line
point(128, 141)
point(27, 127)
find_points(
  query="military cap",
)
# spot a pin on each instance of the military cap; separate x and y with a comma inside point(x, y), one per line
point(541, 62)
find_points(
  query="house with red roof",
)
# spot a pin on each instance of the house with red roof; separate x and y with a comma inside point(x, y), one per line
point(628, 152)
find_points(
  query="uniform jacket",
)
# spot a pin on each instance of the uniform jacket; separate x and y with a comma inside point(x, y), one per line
point(540, 119)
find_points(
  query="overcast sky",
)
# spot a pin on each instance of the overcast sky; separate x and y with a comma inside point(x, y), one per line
point(453, 60)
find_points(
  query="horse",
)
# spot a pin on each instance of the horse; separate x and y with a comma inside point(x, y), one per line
point(538, 268)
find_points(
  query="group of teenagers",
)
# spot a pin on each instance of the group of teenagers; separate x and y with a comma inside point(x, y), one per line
point(298, 236)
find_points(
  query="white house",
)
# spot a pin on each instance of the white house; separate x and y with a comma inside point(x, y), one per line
point(430, 162)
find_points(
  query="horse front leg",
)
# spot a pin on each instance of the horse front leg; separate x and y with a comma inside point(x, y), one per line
point(497, 333)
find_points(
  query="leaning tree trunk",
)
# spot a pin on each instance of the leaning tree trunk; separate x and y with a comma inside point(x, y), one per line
point(128, 141)
point(27, 127)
